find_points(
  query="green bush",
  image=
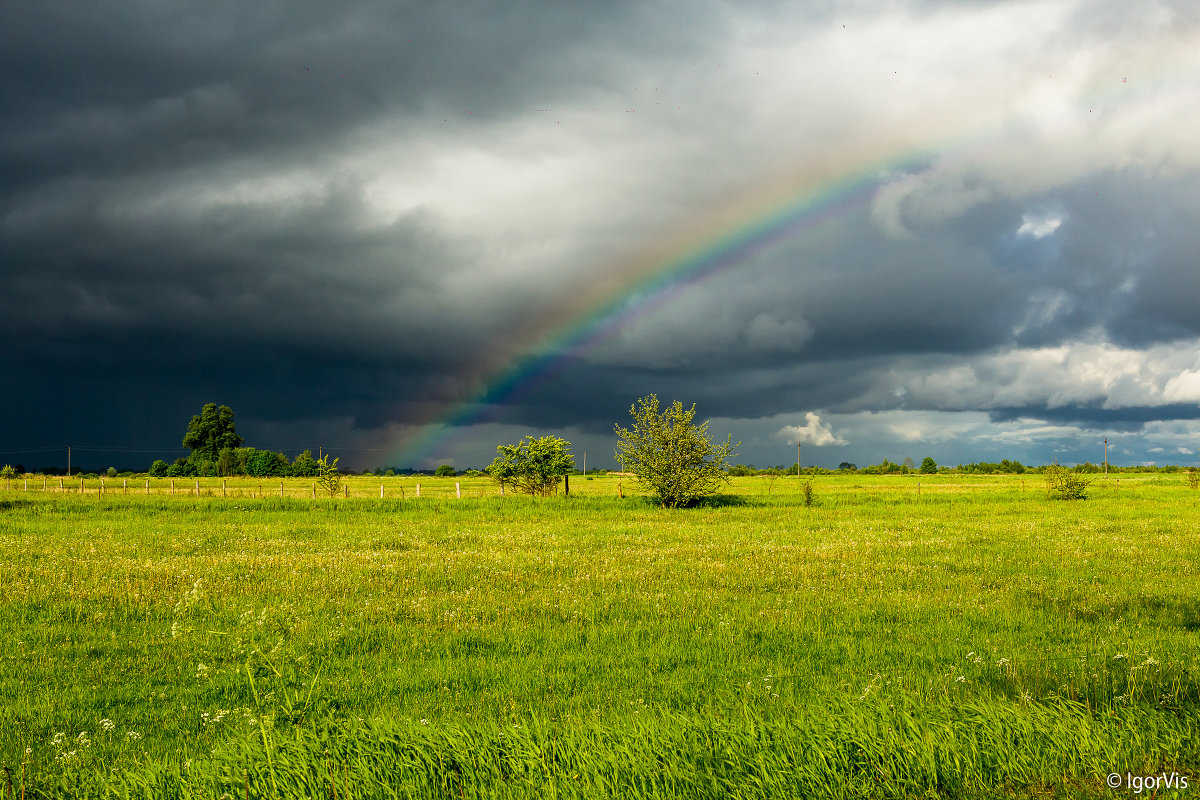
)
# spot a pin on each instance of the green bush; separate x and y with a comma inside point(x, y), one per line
point(1063, 484)
point(671, 454)
point(534, 466)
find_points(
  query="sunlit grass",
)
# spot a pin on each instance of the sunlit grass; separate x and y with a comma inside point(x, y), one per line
point(193, 624)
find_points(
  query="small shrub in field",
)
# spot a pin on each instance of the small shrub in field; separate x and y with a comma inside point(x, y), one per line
point(8, 472)
point(1063, 484)
point(807, 488)
point(535, 466)
point(671, 454)
point(1193, 478)
point(328, 475)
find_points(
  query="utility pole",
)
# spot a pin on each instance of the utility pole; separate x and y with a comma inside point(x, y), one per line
point(1105, 455)
point(68, 461)
point(585, 463)
point(797, 459)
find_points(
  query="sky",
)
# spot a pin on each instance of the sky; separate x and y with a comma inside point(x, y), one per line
point(407, 232)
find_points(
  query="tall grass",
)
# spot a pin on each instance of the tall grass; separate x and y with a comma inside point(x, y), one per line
point(972, 639)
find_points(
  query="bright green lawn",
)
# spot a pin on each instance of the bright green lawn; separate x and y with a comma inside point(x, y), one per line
point(142, 632)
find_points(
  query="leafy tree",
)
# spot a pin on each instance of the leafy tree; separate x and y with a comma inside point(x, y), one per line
point(533, 465)
point(445, 471)
point(305, 466)
point(8, 472)
point(158, 468)
point(886, 467)
point(227, 461)
point(327, 475)
point(182, 468)
point(848, 466)
point(929, 466)
point(672, 454)
point(111, 472)
point(264, 463)
point(210, 431)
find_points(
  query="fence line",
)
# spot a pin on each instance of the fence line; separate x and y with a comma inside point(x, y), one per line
point(249, 488)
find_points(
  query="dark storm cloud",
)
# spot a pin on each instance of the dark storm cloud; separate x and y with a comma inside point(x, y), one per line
point(353, 216)
point(112, 88)
point(1112, 419)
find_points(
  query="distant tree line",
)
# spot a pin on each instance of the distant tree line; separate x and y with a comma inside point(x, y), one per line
point(218, 451)
point(247, 461)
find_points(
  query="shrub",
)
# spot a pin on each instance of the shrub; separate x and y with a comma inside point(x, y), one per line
point(1063, 484)
point(158, 469)
point(672, 454)
point(327, 475)
point(533, 465)
point(445, 471)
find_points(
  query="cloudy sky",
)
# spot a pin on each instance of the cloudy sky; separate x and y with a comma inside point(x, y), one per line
point(407, 232)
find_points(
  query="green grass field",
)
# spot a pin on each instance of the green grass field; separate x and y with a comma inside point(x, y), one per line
point(933, 636)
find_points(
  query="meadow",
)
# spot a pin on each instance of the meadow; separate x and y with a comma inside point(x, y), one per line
point(919, 636)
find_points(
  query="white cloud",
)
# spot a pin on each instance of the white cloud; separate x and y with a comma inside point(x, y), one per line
point(1039, 226)
point(1075, 373)
point(1183, 388)
point(813, 432)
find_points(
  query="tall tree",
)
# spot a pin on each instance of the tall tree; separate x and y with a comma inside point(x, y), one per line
point(211, 431)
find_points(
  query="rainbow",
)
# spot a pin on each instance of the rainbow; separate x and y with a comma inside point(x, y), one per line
point(713, 245)
point(792, 204)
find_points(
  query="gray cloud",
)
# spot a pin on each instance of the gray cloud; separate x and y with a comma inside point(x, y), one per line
point(346, 221)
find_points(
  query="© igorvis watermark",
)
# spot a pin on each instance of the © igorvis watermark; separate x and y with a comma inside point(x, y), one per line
point(1141, 783)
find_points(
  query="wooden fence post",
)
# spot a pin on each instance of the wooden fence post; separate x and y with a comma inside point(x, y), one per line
point(147, 486)
point(457, 489)
point(172, 486)
point(418, 490)
point(281, 488)
point(314, 490)
point(222, 487)
point(81, 485)
point(197, 488)
point(345, 490)
point(381, 491)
